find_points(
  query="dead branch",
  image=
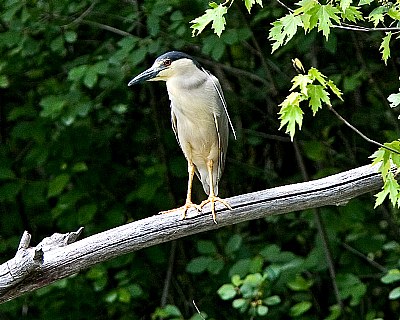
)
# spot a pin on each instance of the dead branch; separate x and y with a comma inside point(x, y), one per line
point(59, 256)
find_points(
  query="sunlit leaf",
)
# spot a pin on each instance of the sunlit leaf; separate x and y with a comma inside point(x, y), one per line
point(291, 113)
point(384, 47)
point(394, 100)
point(394, 294)
point(227, 291)
point(283, 30)
point(215, 15)
point(300, 308)
point(318, 95)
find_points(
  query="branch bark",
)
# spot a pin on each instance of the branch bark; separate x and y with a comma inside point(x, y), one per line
point(56, 257)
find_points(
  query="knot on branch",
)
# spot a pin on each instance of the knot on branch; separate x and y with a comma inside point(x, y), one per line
point(28, 260)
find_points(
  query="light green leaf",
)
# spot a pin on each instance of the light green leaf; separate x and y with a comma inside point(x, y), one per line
point(249, 4)
point(52, 105)
point(301, 80)
point(227, 291)
point(380, 197)
point(394, 294)
point(90, 78)
point(57, 185)
point(214, 15)
point(300, 284)
point(392, 185)
point(377, 15)
point(344, 4)
point(364, 2)
point(70, 36)
point(172, 310)
point(384, 47)
point(315, 74)
point(392, 276)
point(262, 310)
point(335, 89)
point(352, 14)
point(306, 6)
point(326, 14)
point(239, 303)
point(272, 300)
point(101, 67)
point(394, 13)
point(394, 100)
point(317, 95)
point(236, 281)
point(284, 29)
point(77, 73)
point(291, 113)
point(300, 308)
point(79, 167)
point(4, 82)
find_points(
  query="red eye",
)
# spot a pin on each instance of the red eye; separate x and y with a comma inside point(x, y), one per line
point(167, 62)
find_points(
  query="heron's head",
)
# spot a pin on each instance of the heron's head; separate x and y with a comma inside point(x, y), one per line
point(169, 65)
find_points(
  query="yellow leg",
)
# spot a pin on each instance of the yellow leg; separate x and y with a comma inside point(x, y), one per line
point(211, 197)
point(188, 204)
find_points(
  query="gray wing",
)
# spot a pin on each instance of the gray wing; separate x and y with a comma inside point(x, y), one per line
point(174, 126)
point(222, 122)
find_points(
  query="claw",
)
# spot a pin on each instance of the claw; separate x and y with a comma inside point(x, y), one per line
point(185, 208)
point(212, 200)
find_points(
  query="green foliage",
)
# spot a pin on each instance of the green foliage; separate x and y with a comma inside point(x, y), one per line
point(394, 100)
point(384, 47)
point(248, 294)
point(291, 113)
point(309, 15)
point(386, 158)
point(214, 15)
point(283, 30)
point(392, 276)
point(79, 148)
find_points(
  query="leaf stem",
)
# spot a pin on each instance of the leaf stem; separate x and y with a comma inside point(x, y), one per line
point(360, 133)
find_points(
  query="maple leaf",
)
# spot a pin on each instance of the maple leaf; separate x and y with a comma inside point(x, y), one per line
point(214, 15)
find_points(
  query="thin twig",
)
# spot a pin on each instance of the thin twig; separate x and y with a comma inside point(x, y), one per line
point(108, 28)
point(168, 276)
point(363, 256)
point(363, 29)
point(284, 5)
point(321, 230)
point(82, 16)
point(198, 311)
point(360, 133)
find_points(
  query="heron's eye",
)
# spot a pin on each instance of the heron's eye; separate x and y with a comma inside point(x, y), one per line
point(167, 62)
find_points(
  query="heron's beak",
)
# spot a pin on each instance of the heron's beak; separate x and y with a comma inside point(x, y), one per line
point(146, 75)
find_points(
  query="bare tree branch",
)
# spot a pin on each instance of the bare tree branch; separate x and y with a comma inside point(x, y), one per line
point(56, 257)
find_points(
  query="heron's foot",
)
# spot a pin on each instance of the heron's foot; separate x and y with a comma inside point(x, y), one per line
point(213, 200)
point(184, 208)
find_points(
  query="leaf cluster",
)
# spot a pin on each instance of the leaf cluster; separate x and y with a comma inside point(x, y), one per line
point(316, 94)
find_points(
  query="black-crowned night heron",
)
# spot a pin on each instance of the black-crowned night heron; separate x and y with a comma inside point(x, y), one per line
point(199, 118)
